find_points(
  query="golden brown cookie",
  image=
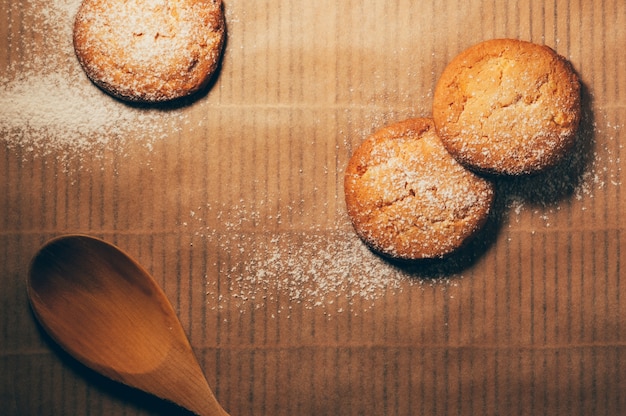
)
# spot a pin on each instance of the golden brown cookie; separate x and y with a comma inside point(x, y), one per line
point(149, 50)
point(408, 198)
point(507, 106)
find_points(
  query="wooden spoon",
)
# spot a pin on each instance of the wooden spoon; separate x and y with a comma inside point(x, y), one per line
point(103, 308)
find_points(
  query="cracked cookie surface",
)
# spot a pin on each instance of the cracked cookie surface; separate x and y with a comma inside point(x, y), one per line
point(149, 50)
point(506, 106)
point(408, 198)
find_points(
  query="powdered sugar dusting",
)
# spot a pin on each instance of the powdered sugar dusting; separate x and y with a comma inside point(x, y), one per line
point(592, 166)
point(316, 271)
point(312, 268)
point(49, 106)
point(47, 112)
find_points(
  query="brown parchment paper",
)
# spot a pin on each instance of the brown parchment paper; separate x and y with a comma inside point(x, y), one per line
point(234, 202)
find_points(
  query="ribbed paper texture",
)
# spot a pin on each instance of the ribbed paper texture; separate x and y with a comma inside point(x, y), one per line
point(234, 202)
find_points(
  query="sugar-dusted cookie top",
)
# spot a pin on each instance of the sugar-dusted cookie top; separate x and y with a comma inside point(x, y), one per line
point(408, 198)
point(149, 50)
point(507, 106)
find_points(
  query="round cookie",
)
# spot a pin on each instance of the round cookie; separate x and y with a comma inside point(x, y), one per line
point(149, 50)
point(507, 106)
point(408, 198)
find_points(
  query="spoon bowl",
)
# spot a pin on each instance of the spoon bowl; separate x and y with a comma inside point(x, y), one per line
point(104, 309)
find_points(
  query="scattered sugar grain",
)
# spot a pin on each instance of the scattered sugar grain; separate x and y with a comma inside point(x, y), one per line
point(599, 171)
